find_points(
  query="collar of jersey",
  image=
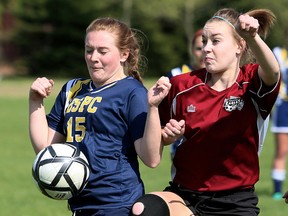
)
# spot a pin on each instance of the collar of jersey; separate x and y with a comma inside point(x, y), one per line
point(93, 89)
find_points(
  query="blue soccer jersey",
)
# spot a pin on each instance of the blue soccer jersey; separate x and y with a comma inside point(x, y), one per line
point(280, 112)
point(104, 122)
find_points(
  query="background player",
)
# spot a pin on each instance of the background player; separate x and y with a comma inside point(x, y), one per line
point(105, 116)
point(223, 112)
point(280, 126)
point(197, 60)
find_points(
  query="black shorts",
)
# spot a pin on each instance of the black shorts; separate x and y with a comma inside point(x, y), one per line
point(232, 203)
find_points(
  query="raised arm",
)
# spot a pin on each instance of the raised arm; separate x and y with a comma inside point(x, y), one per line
point(40, 134)
point(269, 70)
point(149, 148)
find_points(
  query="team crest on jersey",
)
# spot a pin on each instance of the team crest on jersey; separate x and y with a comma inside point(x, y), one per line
point(233, 103)
point(191, 108)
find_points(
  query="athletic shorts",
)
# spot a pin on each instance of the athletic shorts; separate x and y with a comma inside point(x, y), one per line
point(232, 203)
point(123, 211)
point(280, 117)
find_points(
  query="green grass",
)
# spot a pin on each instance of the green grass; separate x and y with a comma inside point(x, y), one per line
point(18, 193)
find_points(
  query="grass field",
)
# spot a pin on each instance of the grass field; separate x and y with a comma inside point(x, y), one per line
point(18, 194)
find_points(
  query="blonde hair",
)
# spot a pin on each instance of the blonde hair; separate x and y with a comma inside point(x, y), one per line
point(125, 39)
point(265, 17)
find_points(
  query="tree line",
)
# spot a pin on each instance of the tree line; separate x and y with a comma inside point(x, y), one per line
point(47, 36)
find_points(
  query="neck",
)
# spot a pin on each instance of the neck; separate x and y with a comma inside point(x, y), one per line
point(222, 81)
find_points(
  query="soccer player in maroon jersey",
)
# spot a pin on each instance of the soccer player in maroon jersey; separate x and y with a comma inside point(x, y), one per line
point(196, 53)
point(223, 112)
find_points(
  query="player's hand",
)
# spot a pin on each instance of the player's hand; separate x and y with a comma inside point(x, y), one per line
point(41, 88)
point(247, 26)
point(285, 196)
point(173, 130)
point(159, 91)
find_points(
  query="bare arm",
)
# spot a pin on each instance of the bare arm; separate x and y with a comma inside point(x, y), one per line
point(40, 134)
point(269, 70)
point(149, 147)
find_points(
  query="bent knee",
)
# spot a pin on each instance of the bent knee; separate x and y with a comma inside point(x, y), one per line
point(150, 205)
point(161, 204)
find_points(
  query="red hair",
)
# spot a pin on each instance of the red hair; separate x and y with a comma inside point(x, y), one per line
point(197, 34)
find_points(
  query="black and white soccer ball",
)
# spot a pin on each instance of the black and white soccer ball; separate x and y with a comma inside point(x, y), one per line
point(60, 171)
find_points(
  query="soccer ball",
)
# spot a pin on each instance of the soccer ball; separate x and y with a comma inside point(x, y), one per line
point(60, 171)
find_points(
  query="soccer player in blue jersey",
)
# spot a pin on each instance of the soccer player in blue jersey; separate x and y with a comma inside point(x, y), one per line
point(280, 126)
point(107, 116)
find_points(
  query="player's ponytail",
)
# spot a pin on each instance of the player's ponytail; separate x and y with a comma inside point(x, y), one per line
point(266, 20)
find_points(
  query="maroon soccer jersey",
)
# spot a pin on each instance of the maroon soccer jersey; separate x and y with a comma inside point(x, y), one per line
point(224, 131)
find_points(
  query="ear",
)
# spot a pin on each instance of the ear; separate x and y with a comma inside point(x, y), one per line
point(241, 46)
point(124, 55)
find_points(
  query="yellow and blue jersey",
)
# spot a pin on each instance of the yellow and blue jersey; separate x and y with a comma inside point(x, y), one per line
point(185, 68)
point(104, 123)
point(280, 112)
point(281, 55)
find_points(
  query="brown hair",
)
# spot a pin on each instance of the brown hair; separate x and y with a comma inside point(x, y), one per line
point(265, 17)
point(125, 38)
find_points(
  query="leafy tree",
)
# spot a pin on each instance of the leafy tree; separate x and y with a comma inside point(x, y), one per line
point(50, 33)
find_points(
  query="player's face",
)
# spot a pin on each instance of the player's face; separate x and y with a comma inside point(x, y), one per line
point(104, 60)
point(221, 51)
point(197, 53)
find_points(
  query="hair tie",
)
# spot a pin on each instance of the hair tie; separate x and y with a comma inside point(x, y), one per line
point(222, 18)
